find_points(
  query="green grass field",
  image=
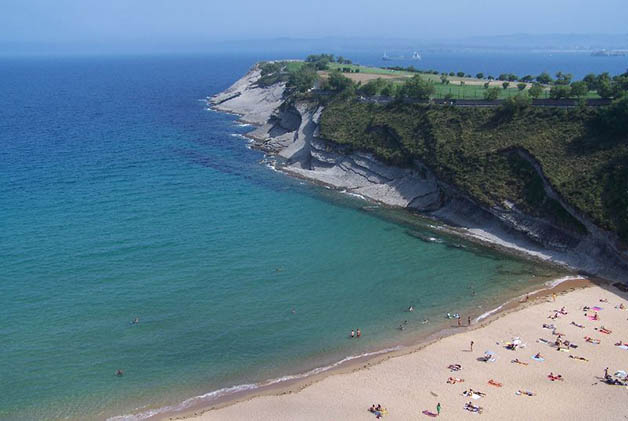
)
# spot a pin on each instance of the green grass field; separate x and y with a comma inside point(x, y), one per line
point(471, 89)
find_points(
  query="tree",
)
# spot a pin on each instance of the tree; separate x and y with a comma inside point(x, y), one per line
point(452, 74)
point(303, 79)
point(544, 78)
point(491, 94)
point(563, 78)
point(487, 85)
point(591, 81)
point(521, 86)
point(388, 89)
point(535, 91)
point(369, 89)
point(579, 89)
point(605, 87)
point(527, 78)
point(516, 103)
point(560, 92)
point(417, 88)
point(506, 85)
point(614, 119)
point(480, 75)
point(460, 74)
point(444, 80)
point(338, 82)
point(490, 77)
point(340, 60)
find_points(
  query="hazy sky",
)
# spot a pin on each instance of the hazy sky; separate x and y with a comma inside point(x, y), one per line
point(150, 22)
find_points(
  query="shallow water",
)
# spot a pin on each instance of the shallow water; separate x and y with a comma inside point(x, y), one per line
point(122, 196)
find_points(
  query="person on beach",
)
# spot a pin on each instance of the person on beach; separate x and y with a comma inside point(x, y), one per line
point(352, 333)
point(438, 409)
point(358, 332)
point(554, 296)
point(469, 321)
point(411, 309)
point(459, 322)
point(471, 346)
point(606, 372)
point(119, 373)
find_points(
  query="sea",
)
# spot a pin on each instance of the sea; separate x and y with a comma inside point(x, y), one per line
point(140, 232)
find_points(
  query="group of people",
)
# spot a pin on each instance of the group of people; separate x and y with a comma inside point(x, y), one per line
point(355, 333)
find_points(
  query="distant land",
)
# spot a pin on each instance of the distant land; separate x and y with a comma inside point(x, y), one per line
point(509, 42)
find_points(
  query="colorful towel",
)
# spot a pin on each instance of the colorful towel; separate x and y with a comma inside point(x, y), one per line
point(540, 359)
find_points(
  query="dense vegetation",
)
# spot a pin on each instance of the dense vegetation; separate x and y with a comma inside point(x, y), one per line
point(582, 151)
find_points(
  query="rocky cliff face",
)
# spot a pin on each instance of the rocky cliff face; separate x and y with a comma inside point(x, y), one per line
point(289, 131)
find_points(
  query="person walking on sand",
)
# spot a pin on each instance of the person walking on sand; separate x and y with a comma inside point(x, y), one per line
point(553, 296)
point(459, 322)
point(471, 346)
point(358, 332)
point(438, 409)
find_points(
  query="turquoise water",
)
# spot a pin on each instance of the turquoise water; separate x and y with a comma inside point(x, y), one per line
point(122, 196)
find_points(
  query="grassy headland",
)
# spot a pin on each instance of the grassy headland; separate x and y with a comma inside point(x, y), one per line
point(486, 152)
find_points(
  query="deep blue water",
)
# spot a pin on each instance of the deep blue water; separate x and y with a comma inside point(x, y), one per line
point(122, 196)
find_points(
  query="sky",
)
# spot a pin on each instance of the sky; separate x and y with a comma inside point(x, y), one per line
point(152, 23)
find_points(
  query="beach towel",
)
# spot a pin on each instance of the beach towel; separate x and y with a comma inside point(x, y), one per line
point(592, 318)
point(429, 414)
point(624, 347)
point(540, 359)
point(596, 308)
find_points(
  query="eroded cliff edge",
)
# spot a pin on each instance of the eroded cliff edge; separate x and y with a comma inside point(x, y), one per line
point(290, 131)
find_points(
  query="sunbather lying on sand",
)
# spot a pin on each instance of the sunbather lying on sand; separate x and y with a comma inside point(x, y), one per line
point(454, 380)
point(578, 358)
point(472, 408)
point(546, 326)
point(577, 325)
point(472, 392)
point(494, 383)
point(604, 330)
point(554, 377)
point(517, 361)
point(525, 392)
point(454, 367)
point(591, 340)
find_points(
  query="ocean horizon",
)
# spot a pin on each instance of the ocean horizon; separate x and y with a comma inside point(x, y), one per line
point(124, 197)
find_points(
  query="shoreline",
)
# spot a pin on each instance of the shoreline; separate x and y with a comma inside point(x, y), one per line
point(294, 383)
point(515, 310)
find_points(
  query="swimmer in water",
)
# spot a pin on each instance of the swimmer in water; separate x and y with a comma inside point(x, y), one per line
point(119, 373)
point(425, 321)
point(135, 321)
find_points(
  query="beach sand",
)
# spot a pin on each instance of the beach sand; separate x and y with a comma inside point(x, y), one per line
point(408, 384)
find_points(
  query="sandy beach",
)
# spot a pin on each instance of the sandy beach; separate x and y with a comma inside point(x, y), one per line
point(408, 384)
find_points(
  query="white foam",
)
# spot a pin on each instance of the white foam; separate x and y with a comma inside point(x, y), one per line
point(490, 312)
point(556, 282)
point(207, 397)
point(238, 135)
point(548, 285)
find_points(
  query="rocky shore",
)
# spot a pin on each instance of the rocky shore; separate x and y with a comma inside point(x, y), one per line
point(289, 131)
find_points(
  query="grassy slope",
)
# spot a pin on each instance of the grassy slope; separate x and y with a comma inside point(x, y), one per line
point(469, 147)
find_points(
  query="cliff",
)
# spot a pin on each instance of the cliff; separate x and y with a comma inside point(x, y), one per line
point(290, 130)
